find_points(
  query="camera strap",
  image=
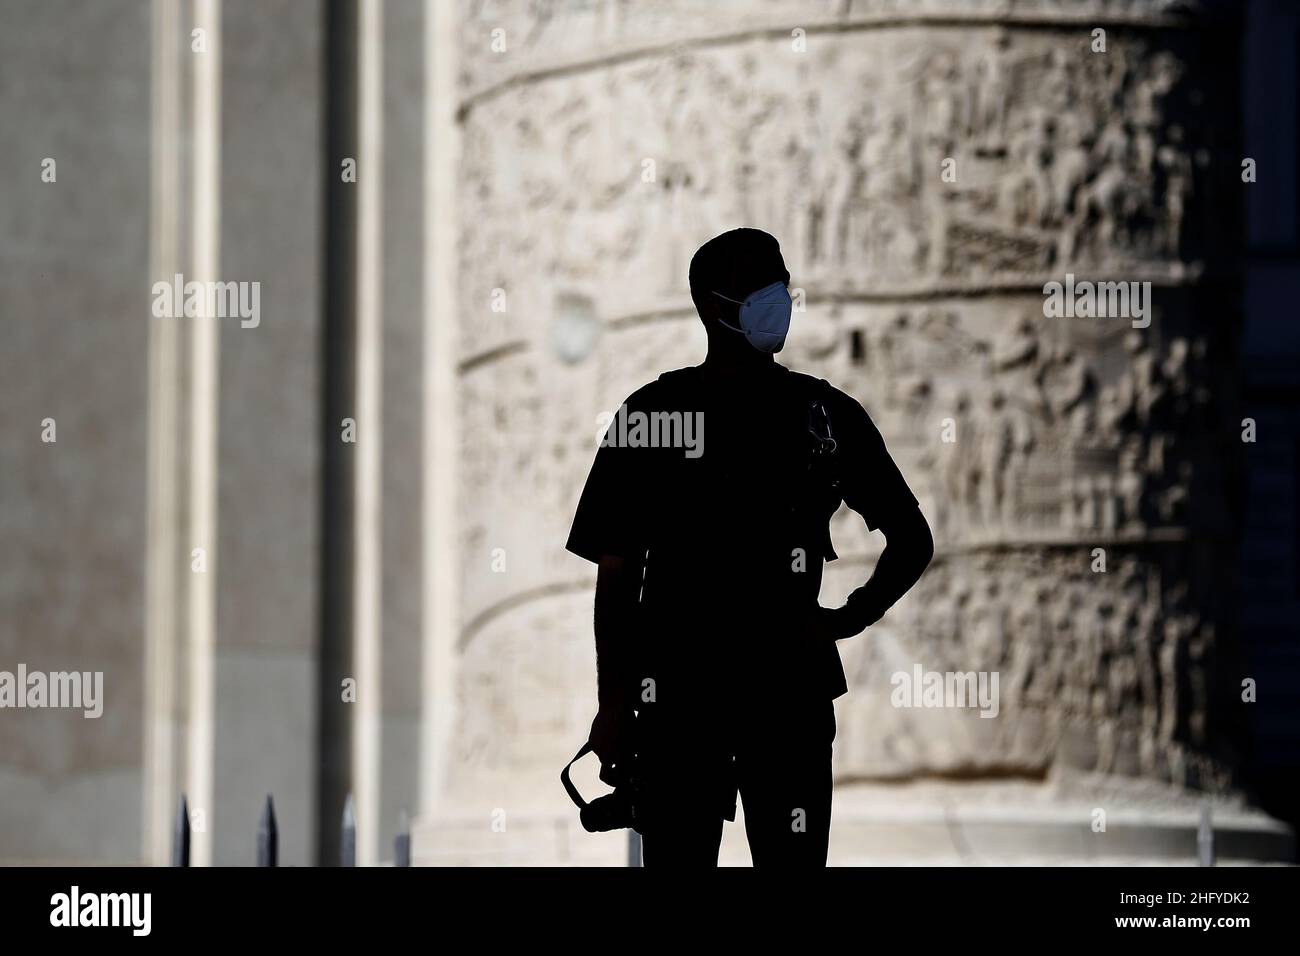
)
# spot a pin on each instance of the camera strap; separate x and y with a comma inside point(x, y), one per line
point(569, 788)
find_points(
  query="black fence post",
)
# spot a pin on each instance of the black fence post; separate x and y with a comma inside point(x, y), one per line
point(402, 842)
point(181, 835)
point(268, 838)
point(1205, 836)
point(348, 844)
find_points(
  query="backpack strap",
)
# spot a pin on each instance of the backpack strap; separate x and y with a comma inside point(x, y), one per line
point(824, 444)
point(820, 493)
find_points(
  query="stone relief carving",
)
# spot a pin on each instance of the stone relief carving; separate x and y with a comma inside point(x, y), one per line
point(924, 302)
point(1064, 160)
point(1097, 672)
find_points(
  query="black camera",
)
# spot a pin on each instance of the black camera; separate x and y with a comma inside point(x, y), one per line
point(613, 811)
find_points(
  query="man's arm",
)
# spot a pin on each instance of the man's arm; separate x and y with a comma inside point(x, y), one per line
point(618, 592)
point(909, 546)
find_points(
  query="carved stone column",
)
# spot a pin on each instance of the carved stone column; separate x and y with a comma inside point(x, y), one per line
point(928, 167)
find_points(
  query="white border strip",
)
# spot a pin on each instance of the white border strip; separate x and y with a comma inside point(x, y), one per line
point(368, 513)
point(206, 241)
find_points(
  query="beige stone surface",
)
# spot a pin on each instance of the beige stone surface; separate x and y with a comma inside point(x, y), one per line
point(596, 150)
point(605, 142)
point(74, 305)
point(268, 464)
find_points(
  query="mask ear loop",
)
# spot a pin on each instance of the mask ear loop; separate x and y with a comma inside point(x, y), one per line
point(729, 299)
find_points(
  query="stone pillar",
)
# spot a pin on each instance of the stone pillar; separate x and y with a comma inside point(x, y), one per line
point(177, 510)
point(929, 168)
point(396, 765)
point(269, 451)
point(372, 526)
point(74, 302)
point(170, 519)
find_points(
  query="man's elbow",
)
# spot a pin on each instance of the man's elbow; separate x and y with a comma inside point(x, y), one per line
point(910, 535)
point(925, 542)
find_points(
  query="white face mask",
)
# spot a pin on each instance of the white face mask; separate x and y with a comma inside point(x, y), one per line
point(764, 316)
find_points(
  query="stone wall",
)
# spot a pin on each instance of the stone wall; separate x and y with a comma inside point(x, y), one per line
point(75, 82)
point(602, 143)
point(590, 148)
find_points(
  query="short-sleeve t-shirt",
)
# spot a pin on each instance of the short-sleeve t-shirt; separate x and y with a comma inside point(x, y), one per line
point(716, 487)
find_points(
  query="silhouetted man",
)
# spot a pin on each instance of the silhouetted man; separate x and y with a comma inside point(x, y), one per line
point(707, 512)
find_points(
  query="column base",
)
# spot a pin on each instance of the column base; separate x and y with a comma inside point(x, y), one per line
point(930, 823)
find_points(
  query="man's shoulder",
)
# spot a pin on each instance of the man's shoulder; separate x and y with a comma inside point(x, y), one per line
point(664, 390)
point(806, 384)
point(836, 401)
point(677, 378)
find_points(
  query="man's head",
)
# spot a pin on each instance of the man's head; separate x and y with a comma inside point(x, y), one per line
point(730, 267)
